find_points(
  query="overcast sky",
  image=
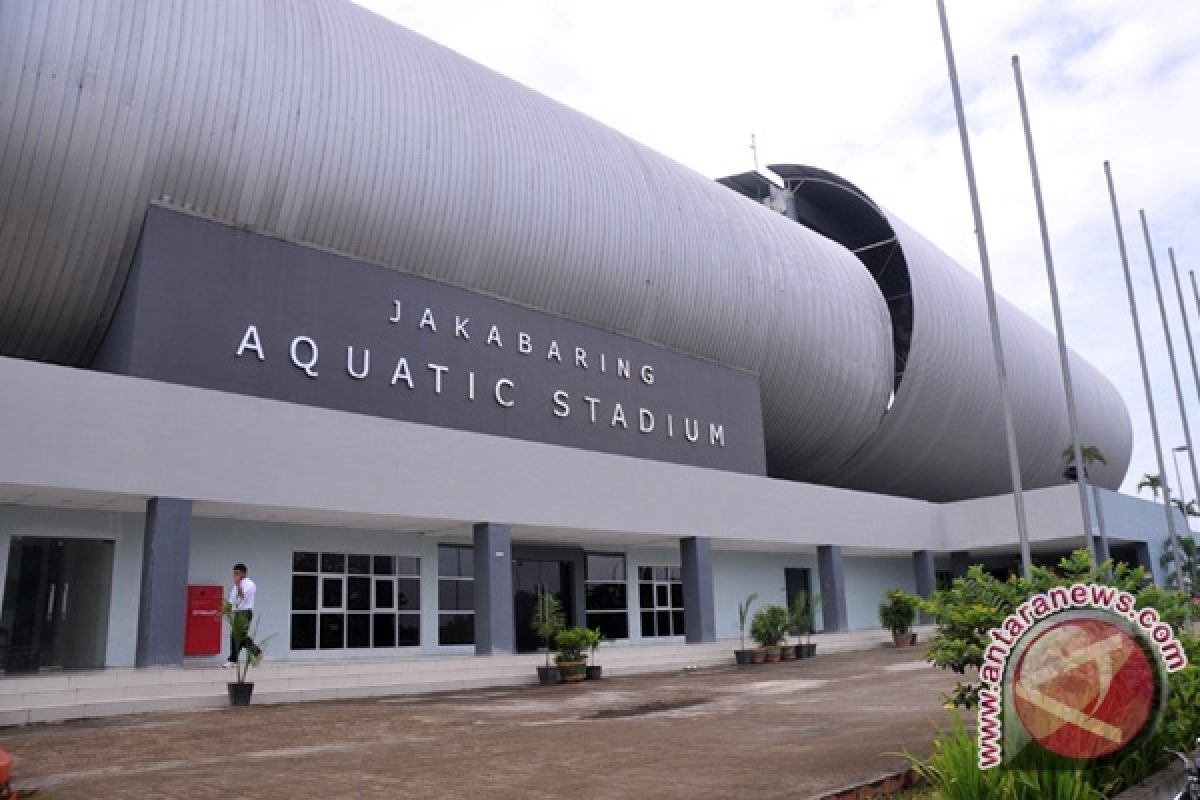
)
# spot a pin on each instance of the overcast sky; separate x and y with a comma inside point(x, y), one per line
point(860, 88)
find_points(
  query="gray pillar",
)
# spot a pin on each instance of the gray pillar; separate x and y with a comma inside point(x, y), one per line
point(1142, 557)
point(833, 587)
point(494, 630)
point(162, 609)
point(925, 572)
point(960, 562)
point(1100, 546)
point(699, 611)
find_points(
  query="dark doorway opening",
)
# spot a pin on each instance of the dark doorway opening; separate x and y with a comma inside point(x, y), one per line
point(798, 579)
point(530, 578)
point(56, 600)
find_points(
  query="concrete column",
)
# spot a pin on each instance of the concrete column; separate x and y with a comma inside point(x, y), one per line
point(1142, 557)
point(960, 562)
point(494, 629)
point(925, 573)
point(162, 609)
point(833, 587)
point(1100, 543)
point(699, 611)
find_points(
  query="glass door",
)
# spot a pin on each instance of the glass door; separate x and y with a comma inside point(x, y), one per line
point(530, 579)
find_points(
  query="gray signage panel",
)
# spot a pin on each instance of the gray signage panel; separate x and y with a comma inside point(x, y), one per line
point(213, 306)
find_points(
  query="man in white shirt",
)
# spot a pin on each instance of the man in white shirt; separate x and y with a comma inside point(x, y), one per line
point(241, 598)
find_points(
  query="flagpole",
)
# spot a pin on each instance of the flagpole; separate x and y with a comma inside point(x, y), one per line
point(1014, 463)
point(1137, 331)
point(1063, 355)
point(1187, 336)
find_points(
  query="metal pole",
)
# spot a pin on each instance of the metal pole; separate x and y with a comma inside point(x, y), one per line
point(1100, 524)
point(1187, 336)
point(1063, 357)
point(1137, 331)
point(1162, 310)
point(1014, 463)
point(1178, 475)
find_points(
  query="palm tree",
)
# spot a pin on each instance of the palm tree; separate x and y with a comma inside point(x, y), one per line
point(1188, 509)
point(1091, 454)
point(1151, 482)
point(1191, 564)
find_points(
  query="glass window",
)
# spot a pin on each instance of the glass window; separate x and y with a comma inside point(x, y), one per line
point(304, 631)
point(332, 631)
point(408, 630)
point(331, 592)
point(613, 626)
point(456, 595)
point(304, 562)
point(646, 595)
point(661, 601)
point(408, 594)
point(384, 565)
point(662, 597)
point(455, 561)
point(648, 624)
point(456, 628)
point(385, 593)
point(383, 630)
point(605, 567)
point(645, 573)
point(359, 565)
point(606, 597)
point(304, 592)
point(676, 595)
point(358, 594)
point(358, 630)
point(333, 562)
point(409, 567)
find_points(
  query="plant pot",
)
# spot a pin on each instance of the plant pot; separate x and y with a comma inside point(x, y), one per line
point(902, 639)
point(758, 656)
point(594, 673)
point(239, 693)
point(548, 676)
point(744, 657)
point(772, 654)
point(787, 652)
point(572, 671)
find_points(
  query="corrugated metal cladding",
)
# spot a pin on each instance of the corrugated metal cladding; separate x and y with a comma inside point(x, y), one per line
point(322, 123)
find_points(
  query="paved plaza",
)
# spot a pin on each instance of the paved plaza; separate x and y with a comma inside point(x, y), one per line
point(792, 729)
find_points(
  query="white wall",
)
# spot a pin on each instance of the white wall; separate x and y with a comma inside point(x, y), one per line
point(867, 579)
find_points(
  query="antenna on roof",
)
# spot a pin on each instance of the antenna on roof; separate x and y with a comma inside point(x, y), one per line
point(754, 150)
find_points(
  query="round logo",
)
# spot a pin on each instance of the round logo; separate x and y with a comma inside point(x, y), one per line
point(1084, 688)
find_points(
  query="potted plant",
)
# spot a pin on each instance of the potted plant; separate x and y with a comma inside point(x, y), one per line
point(250, 653)
point(898, 612)
point(547, 622)
point(572, 666)
point(594, 670)
point(769, 627)
point(804, 609)
point(743, 655)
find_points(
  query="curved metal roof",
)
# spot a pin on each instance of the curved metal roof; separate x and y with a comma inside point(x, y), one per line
point(322, 123)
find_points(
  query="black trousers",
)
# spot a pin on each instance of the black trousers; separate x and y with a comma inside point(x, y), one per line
point(247, 642)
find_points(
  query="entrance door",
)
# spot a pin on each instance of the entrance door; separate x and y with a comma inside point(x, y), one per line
point(56, 597)
point(530, 578)
point(797, 579)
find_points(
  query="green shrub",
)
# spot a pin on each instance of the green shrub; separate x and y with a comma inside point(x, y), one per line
point(898, 612)
point(770, 625)
point(572, 642)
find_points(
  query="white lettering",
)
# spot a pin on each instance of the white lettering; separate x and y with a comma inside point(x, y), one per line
point(645, 420)
point(622, 368)
point(494, 337)
point(395, 317)
point(580, 357)
point(716, 434)
point(499, 397)
point(427, 320)
point(524, 343)
point(591, 401)
point(648, 375)
point(691, 429)
point(561, 409)
point(603, 364)
point(402, 373)
point(250, 341)
point(366, 366)
point(470, 385)
point(670, 426)
point(311, 362)
point(618, 416)
point(460, 327)
point(438, 372)
point(553, 353)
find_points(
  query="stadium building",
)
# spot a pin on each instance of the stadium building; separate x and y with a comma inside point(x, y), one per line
point(290, 285)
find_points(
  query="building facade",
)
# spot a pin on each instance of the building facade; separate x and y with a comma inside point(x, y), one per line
point(414, 342)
